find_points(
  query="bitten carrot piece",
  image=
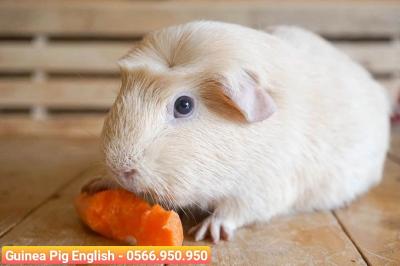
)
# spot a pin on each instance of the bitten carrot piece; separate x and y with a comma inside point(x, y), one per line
point(120, 215)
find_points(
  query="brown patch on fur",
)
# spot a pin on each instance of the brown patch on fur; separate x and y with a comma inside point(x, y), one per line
point(216, 101)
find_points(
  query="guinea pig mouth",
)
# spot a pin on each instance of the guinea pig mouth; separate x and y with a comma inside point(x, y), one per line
point(130, 185)
point(150, 194)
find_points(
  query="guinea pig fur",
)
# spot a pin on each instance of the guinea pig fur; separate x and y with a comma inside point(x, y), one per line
point(280, 122)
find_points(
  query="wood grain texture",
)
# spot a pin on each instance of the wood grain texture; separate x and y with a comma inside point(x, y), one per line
point(102, 57)
point(121, 17)
point(373, 221)
point(33, 169)
point(303, 239)
point(56, 222)
point(61, 93)
point(77, 58)
point(61, 125)
point(376, 57)
point(395, 142)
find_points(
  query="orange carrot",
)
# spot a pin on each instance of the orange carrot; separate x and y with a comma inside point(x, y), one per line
point(120, 215)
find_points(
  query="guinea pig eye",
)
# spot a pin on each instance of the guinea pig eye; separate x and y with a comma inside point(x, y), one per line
point(183, 107)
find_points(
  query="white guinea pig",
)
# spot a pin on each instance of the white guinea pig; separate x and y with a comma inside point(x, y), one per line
point(246, 124)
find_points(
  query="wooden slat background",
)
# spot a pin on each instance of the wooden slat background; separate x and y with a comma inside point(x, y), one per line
point(58, 58)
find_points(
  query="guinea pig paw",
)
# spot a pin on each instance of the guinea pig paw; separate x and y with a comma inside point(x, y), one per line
point(217, 228)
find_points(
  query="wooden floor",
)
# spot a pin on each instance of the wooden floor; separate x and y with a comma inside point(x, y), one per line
point(40, 176)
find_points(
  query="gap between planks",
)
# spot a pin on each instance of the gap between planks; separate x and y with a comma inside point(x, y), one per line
point(346, 223)
point(346, 232)
point(45, 200)
point(393, 159)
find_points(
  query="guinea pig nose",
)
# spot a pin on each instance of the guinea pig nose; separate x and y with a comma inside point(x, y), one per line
point(129, 174)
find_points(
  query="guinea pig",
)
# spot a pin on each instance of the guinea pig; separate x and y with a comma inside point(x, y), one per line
point(243, 123)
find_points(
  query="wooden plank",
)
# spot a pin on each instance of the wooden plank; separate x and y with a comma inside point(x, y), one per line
point(393, 87)
point(88, 57)
point(61, 125)
point(376, 57)
point(305, 236)
point(308, 238)
point(78, 92)
point(303, 239)
point(121, 17)
point(32, 169)
point(62, 57)
point(395, 142)
point(373, 221)
point(61, 93)
point(56, 222)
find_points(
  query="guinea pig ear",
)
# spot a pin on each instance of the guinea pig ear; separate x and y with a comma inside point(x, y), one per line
point(253, 101)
